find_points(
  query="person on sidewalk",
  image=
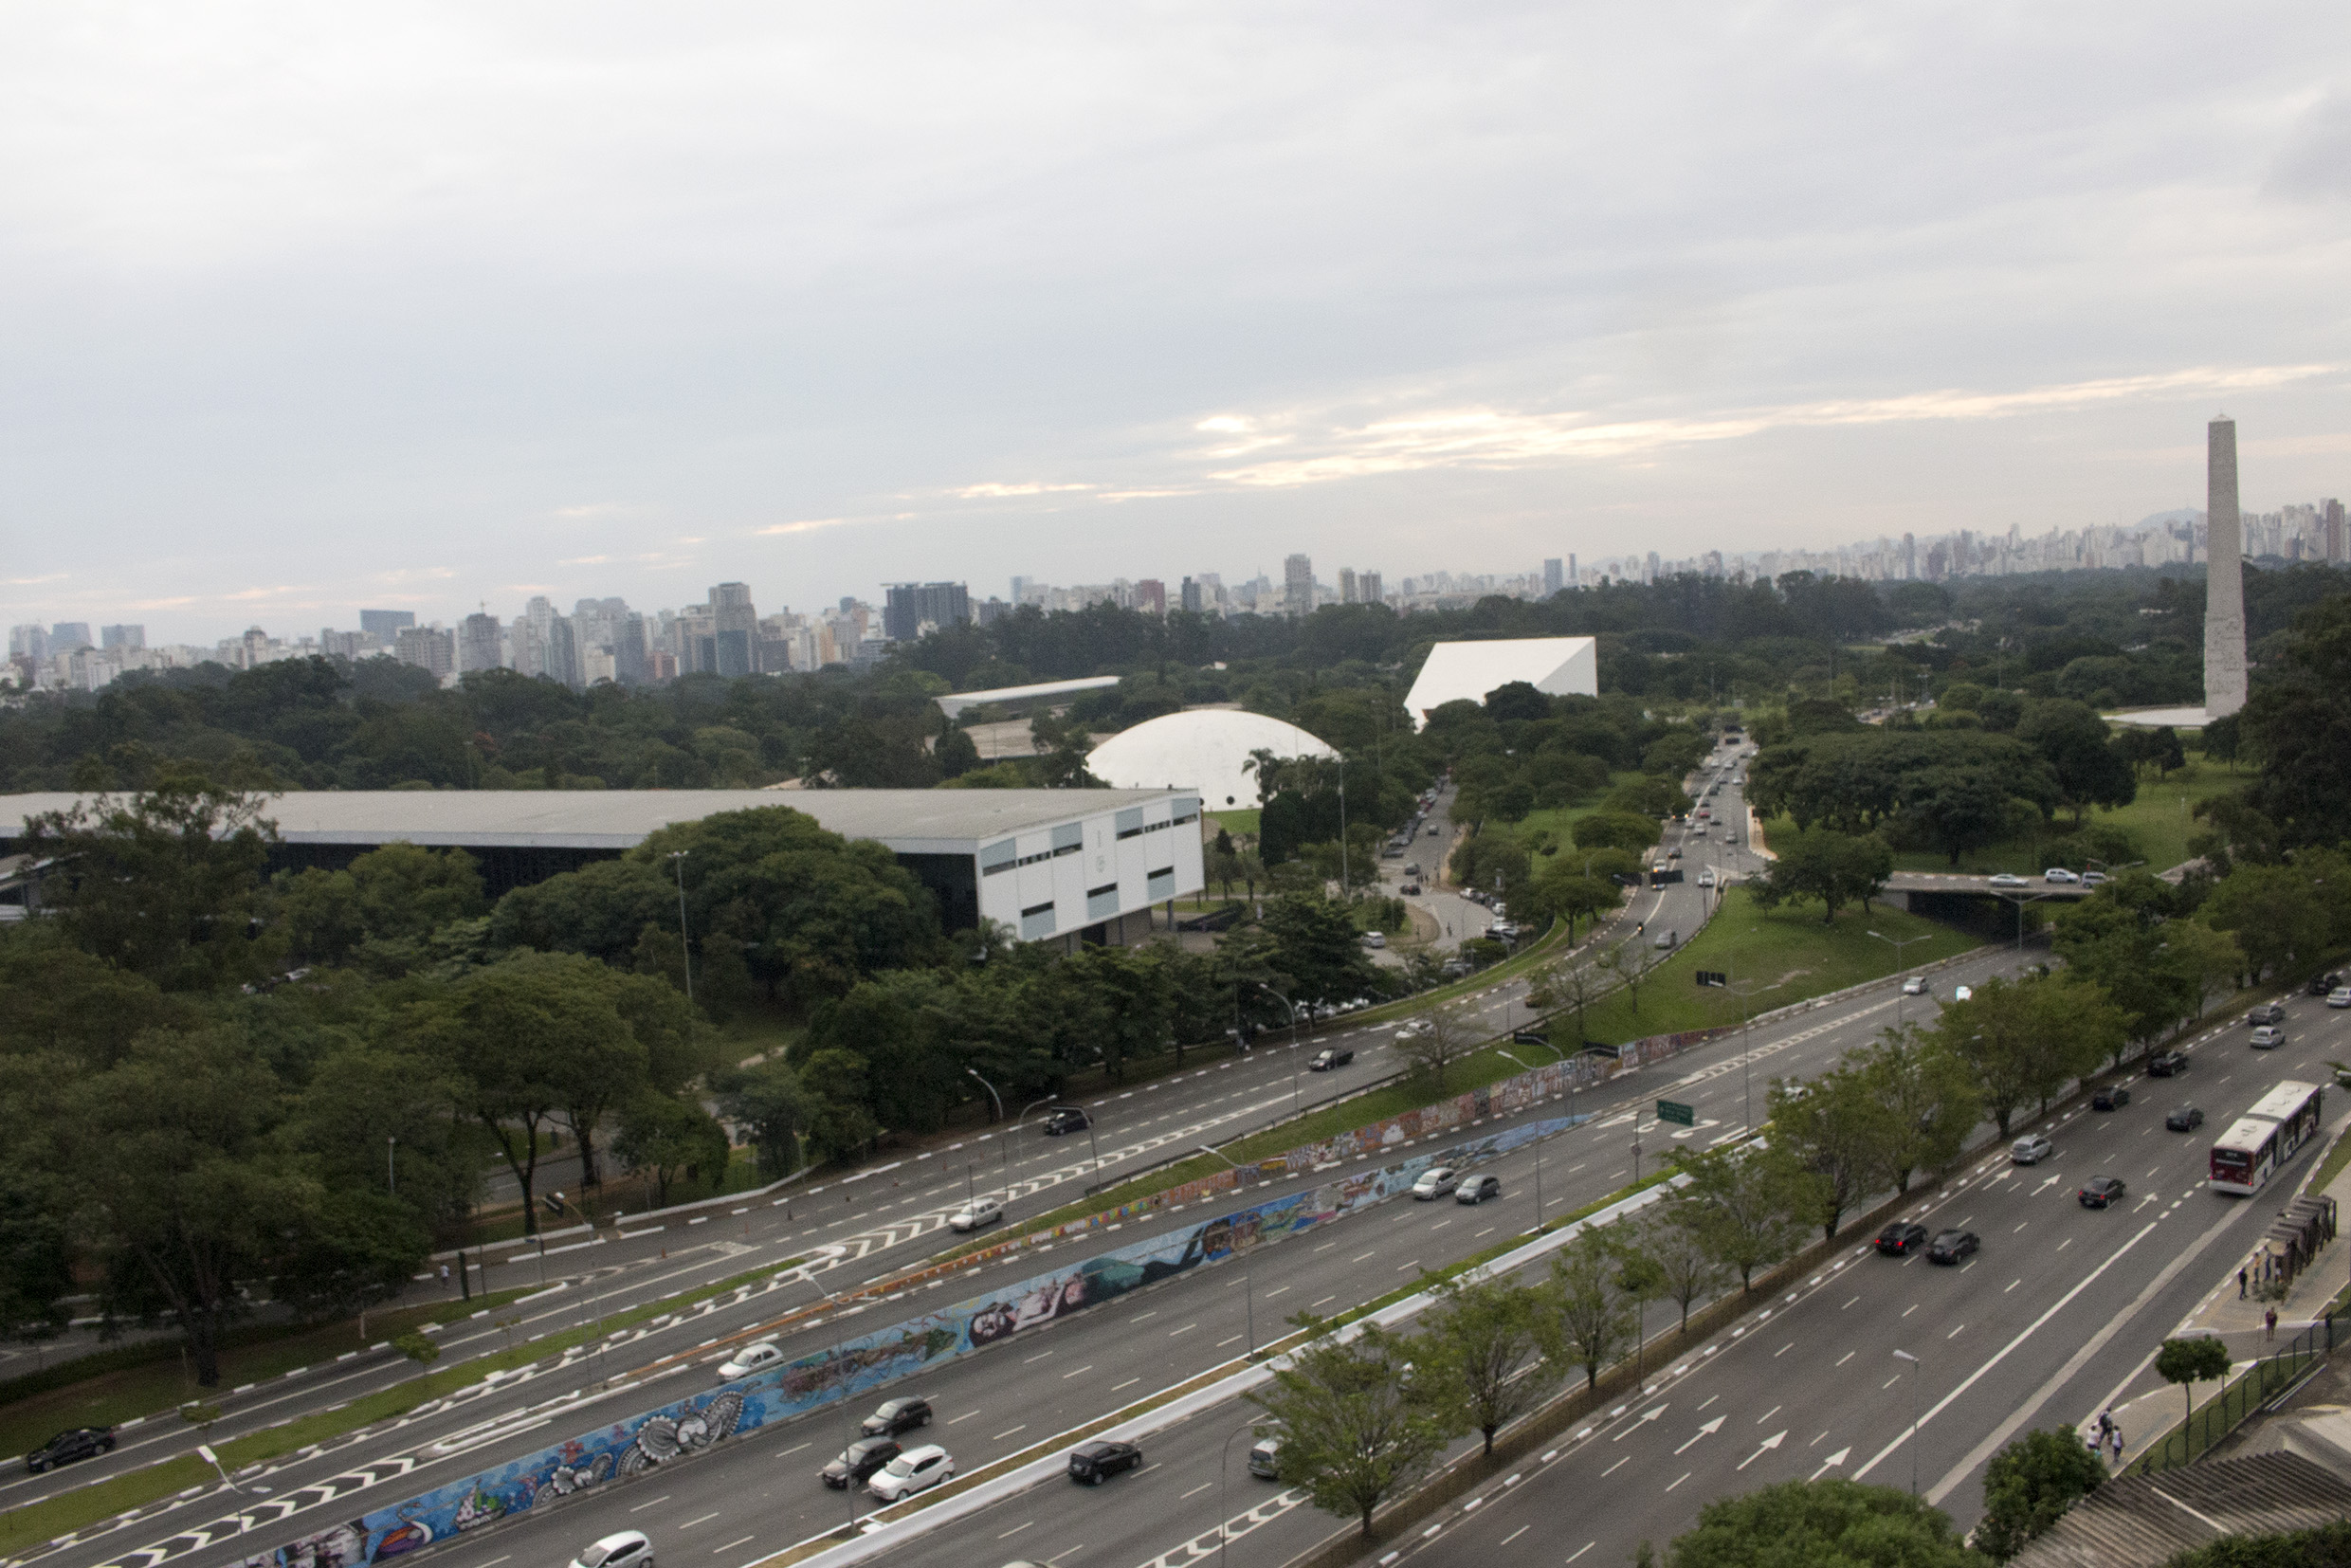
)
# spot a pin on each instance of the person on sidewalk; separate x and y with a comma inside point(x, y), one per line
point(2115, 1439)
point(2268, 1321)
point(2240, 1284)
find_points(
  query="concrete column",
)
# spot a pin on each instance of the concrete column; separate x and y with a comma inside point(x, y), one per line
point(2224, 576)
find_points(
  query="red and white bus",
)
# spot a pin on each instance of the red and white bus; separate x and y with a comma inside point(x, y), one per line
point(2265, 1138)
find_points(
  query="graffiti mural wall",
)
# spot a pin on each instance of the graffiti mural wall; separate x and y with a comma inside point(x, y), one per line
point(841, 1372)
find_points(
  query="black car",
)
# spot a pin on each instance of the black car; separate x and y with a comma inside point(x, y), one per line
point(1097, 1462)
point(2321, 984)
point(1902, 1238)
point(1066, 1119)
point(66, 1447)
point(2187, 1119)
point(2167, 1064)
point(2112, 1098)
point(858, 1463)
point(1478, 1189)
point(1953, 1246)
point(897, 1415)
point(1411, 889)
point(1335, 1056)
point(2100, 1190)
point(2270, 1012)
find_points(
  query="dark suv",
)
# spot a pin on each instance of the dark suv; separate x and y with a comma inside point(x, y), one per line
point(1096, 1462)
point(2167, 1064)
point(859, 1462)
point(1901, 1238)
point(1066, 1119)
point(66, 1447)
point(895, 1416)
point(2321, 984)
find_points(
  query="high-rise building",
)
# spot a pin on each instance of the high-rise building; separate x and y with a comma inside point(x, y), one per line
point(385, 625)
point(1555, 576)
point(1346, 585)
point(2224, 575)
point(1573, 580)
point(2331, 516)
point(1151, 595)
point(1190, 598)
point(910, 607)
point(480, 644)
point(30, 641)
point(1367, 589)
point(67, 635)
point(1297, 586)
point(991, 610)
point(122, 636)
point(1021, 591)
point(427, 647)
point(629, 650)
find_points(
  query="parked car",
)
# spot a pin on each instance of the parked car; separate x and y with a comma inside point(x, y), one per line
point(749, 1359)
point(1455, 969)
point(2167, 1064)
point(2112, 1098)
point(2340, 996)
point(1097, 1462)
point(2100, 1190)
point(1375, 939)
point(1435, 1183)
point(916, 1470)
point(1478, 1189)
point(2268, 1037)
point(1265, 1457)
point(2267, 1013)
point(1329, 1057)
point(2030, 1149)
point(69, 1445)
point(977, 1215)
point(1914, 986)
point(892, 1417)
point(2058, 873)
point(2187, 1119)
point(1953, 1246)
point(1412, 870)
point(626, 1549)
point(857, 1463)
point(1061, 1119)
point(1900, 1239)
point(1411, 889)
point(2321, 984)
point(2008, 879)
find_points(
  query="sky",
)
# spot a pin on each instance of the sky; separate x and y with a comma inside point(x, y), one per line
point(309, 308)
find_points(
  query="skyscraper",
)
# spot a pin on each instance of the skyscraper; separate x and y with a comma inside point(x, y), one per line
point(1346, 585)
point(1555, 576)
point(2224, 575)
point(67, 635)
point(122, 636)
point(479, 644)
point(908, 607)
point(1297, 586)
point(1367, 589)
point(1191, 597)
point(2332, 512)
point(427, 647)
point(385, 625)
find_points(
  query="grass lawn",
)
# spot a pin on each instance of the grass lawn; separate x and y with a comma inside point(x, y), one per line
point(1236, 823)
point(1789, 950)
point(2158, 822)
point(1559, 822)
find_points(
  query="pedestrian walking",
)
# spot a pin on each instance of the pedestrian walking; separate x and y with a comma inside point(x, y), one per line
point(2115, 1440)
point(2268, 1320)
point(444, 1276)
point(2240, 1284)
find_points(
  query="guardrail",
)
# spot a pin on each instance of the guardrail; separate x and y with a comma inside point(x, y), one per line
point(2239, 1398)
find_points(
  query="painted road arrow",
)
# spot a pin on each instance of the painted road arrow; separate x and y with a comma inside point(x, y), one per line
point(1647, 1417)
point(1829, 1463)
point(1769, 1444)
point(1709, 1430)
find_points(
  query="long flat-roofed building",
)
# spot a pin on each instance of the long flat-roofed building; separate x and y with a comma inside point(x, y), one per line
point(1076, 865)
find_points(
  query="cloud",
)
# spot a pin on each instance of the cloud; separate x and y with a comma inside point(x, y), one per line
point(31, 582)
point(1002, 492)
point(592, 510)
point(806, 525)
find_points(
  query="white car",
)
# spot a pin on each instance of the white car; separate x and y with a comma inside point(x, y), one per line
point(973, 1215)
point(2268, 1037)
point(2008, 879)
point(1963, 993)
point(1435, 1183)
point(2030, 1150)
point(628, 1549)
point(749, 1359)
point(1375, 939)
point(2340, 996)
point(916, 1470)
point(1914, 986)
point(1705, 877)
point(2058, 873)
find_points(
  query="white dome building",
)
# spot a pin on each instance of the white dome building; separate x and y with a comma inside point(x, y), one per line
point(1206, 749)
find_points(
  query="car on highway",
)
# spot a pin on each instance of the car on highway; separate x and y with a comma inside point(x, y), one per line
point(856, 1464)
point(1900, 1239)
point(2167, 1064)
point(1064, 1120)
point(67, 1446)
point(1097, 1462)
point(892, 1417)
point(2340, 996)
point(1914, 986)
point(977, 1215)
point(1265, 1457)
point(2112, 1098)
point(2321, 984)
point(2267, 1013)
point(2187, 1119)
point(1963, 993)
point(1953, 1246)
point(2059, 875)
point(1435, 1183)
point(1329, 1057)
point(916, 1470)
point(1705, 877)
point(626, 1549)
point(2100, 1190)
point(2008, 879)
point(2030, 1149)
point(1478, 1189)
point(1665, 938)
point(1674, 853)
point(2268, 1037)
point(766, 1353)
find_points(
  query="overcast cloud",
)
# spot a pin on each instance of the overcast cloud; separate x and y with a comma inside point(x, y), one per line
point(311, 307)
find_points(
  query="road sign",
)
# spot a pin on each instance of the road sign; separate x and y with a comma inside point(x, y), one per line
point(1677, 1113)
point(1714, 977)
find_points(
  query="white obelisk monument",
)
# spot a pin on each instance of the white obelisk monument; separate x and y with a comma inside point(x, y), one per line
point(2224, 576)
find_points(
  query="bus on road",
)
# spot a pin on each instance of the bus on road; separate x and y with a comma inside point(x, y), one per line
point(2265, 1138)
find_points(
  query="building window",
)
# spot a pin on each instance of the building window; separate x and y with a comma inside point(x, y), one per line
point(1036, 921)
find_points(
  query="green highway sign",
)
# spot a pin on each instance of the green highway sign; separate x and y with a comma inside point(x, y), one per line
point(1677, 1113)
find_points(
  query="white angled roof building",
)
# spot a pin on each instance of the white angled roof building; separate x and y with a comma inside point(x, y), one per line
point(1457, 672)
point(1204, 749)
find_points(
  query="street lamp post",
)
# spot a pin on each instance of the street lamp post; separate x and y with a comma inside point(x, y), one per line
point(1224, 1508)
point(1006, 1150)
point(1916, 1370)
point(1249, 1278)
point(1898, 944)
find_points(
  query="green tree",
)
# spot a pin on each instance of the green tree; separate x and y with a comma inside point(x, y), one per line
point(2276, 916)
point(2025, 1041)
point(417, 1348)
point(1482, 1345)
point(1835, 868)
point(1440, 1032)
point(1315, 944)
point(665, 1138)
point(2297, 722)
point(768, 1102)
point(2076, 744)
point(1833, 1133)
point(1929, 1099)
point(1586, 1304)
point(1674, 1238)
point(2030, 1485)
point(2198, 1358)
point(345, 1251)
point(1737, 1204)
point(1356, 1430)
point(1829, 1524)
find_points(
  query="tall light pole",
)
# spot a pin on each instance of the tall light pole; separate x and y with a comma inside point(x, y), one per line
point(1917, 1369)
point(685, 948)
point(1249, 1278)
point(1224, 1509)
point(1006, 1150)
point(1898, 944)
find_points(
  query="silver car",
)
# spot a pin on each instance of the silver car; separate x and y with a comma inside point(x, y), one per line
point(2030, 1149)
